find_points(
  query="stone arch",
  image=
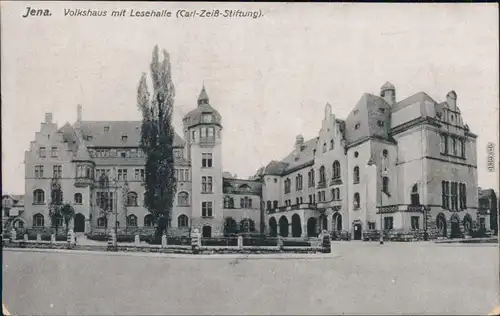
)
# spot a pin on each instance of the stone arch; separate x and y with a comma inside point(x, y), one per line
point(455, 231)
point(441, 225)
point(337, 222)
point(357, 230)
point(311, 227)
point(283, 223)
point(467, 224)
point(18, 223)
point(296, 226)
point(273, 227)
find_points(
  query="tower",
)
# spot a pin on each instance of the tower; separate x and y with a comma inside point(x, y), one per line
point(388, 93)
point(203, 131)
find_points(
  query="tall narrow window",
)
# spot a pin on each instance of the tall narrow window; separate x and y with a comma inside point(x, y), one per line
point(322, 174)
point(462, 153)
point(385, 184)
point(53, 152)
point(206, 209)
point(356, 175)
point(42, 152)
point(454, 196)
point(356, 201)
point(336, 169)
point(444, 144)
point(415, 196)
point(206, 160)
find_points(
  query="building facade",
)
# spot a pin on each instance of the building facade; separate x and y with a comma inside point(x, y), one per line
point(407, 166)
point(74, 157)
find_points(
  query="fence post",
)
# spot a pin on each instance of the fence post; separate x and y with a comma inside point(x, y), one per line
point(71, 238)
point(38, 238)
point(137, 240)
point(280, 243)
point(111, 240)
point(164, 241)
point(26, 237)
point(240, 242)
point(52, 239)
point(195, 241)
point(13, 235)
point(326, 244)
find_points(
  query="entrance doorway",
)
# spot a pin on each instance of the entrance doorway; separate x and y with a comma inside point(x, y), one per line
point(273, 227)
point(283, 226)
point(441, 225)
point(296, 226)
point(455, 227)
point(357, 231)
point(79, 223)
point(207, 231)
point(311, 227)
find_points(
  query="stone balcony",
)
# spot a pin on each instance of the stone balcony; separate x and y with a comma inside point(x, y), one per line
point(292, 208)
point(83, 182)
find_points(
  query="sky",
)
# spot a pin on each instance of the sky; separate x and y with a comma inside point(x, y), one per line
point(269, 77)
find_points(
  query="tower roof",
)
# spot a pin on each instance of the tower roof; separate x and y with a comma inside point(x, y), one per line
point(203, 97)
point(387, 86)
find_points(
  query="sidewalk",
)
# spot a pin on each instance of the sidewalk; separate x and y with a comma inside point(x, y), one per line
point(184, 256)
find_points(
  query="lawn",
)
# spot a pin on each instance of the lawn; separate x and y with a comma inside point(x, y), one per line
point(359, 278)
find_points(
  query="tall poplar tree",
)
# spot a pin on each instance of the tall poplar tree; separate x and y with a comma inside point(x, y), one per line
point(157, 138)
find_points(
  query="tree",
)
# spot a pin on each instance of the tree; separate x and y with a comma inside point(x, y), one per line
point(157, 137)
point(56, 201)
point(68, 213)
point(105, 201)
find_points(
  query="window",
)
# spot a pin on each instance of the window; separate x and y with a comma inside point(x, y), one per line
point(463, 196)
point(78, 198)
point(104, 200)
point(38, 220)
point(357, 126)
point(148, 220)
point(38, 172)
point(336, 169)
point(38, 196)
point(246, 202)
point(371, 225)
point(454, 196)
point(381, 110)
point(193, 135)
point(444, 144)
point(385, 153)
point(334, 195)
point(445, 192)
point(124, 138)
point(415, 197)
point(310, 199)
point(178, 153)
point(102, 222)
point(331, 144)
point(182, 221)
point(462, 147)
point(310, 178)
point(122, 174)
point(56, 196)
point(206, 160)
point(288, 184)
point(356, 201)
point(206, 209)
point(106, 128)
point(275, 204)
point(206, 184)
point(356, 175)
point(183, 198)
point(381, 123)
point(385, 184)
point(322, 176)
point(415, 223)
point(57, 221)
point(132, 199)
point(298, 182)
point(324, 147)
point(388, 222)
point(454, 146)
point(132, 221)
point(53, 152)
point(356, 154)
point(269, 205)
point(337, 194)
point(321, 196)
point(42, 152)
point(229, 202)
point(57, 171)
point(482, 223)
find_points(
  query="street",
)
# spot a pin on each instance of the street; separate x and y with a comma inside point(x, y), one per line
point(357, 278)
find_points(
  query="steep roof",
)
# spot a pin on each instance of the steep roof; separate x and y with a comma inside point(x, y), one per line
point(419, 97)
point(275, 168)
point(109, 134)
point(298, 158)
point(366, 113)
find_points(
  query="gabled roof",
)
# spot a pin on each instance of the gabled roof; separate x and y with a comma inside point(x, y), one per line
point(298, 158)
point(112, 135)
point(275, 168)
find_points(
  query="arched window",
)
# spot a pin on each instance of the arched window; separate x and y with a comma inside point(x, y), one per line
point(385, 153)
point(183, 198)
point(385, 184)
point(356, 175)
point(148, 220)
point(356, 201)
point(322, 175)
point(338, 194)
point(132, 200)
point(415, 197)
point(310, 178)
point(182, 221)
point(78, 198)
point(333, 195)
point(102, 222)
point(247, 225)
point(275, 204)
point(38, 196)
point(336, 169)
point(132, 220)
point(269, 205)
point(38, 220)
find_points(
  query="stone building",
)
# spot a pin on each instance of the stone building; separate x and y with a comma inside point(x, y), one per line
point(73, 158)
point(406, 165)
point(488, 204)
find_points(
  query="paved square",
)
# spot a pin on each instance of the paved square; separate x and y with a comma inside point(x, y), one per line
point(358, 278)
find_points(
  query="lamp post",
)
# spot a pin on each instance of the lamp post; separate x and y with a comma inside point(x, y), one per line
point(380, 210)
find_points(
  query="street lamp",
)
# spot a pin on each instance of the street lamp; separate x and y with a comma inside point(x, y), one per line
point(380, 210)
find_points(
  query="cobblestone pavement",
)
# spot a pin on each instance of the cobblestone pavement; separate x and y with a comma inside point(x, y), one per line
point(357, 278)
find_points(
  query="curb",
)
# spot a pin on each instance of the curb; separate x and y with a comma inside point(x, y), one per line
point(283, 256)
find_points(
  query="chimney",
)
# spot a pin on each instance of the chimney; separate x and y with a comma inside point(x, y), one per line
point(451, 99)
point(79, 113)
point(48, 118)
point(299, 142)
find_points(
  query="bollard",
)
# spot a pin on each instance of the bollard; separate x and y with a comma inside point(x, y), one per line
point(326, 244)
point(164, 241)
point(137, 240)
point(240, 242)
